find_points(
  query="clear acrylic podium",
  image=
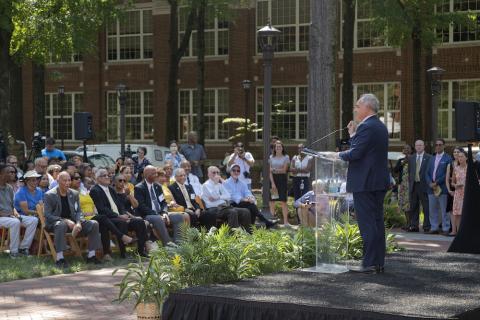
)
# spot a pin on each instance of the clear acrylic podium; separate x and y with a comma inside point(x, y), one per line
point(331, 208)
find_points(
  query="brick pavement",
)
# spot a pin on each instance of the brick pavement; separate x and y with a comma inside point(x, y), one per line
point(83, 295)
point(89, 294)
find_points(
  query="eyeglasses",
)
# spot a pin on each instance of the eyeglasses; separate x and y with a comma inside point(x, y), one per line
point(236, 170)
point(122, 180)
point(104, 176)
point(438, 144)
point(76, 178)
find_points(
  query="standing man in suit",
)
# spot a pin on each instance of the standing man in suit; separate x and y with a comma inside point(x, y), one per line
point(368, 179)
point(417, 167)
point(153, 208)
point(63, 214)
point(437, 188)
point(113, 217)
point(185, 196)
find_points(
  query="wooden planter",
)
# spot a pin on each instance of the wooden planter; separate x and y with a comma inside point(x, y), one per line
point(148, 311)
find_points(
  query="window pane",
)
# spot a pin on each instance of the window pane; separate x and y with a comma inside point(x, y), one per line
point(286, 40)
point(222, 101)
point(112, 48)
point(283, 12)
point(112, 128)
point(262, 13)
point(148, 128)
point(130, 23)
point(283, 125)
point(223, 133)
point(133, 104)
point(210, 43)
point(78, 102)
point(130, 47)
point(304, 38)
point(223, 42)
point(302, 134)
point(209, 127)
point(133, 128)
point(302, 99)
point(147, 21)
point(209, 101)
point(184, 102)
point(304, 11)
point(183, 13)
point(147, 47)
point(368, 35)
point(112, 104)
point(148, 102)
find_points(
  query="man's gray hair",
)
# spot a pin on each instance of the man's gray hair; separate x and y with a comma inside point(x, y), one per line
point(371, 100)
point(101, 172)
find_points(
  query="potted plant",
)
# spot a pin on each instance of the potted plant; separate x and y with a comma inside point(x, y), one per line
point(149, 284)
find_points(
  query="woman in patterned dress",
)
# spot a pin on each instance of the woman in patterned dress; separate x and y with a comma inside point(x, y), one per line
point(458, 180)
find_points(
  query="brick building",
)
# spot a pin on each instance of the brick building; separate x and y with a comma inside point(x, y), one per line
point(134, 51)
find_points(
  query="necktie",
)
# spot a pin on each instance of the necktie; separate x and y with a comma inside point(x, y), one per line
point(417, 169)
point(437, 161)
point(186, 196)
point(113, 206)
point(188, 180)
point(154, 200)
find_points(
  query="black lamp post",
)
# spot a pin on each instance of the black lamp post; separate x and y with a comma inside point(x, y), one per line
point(267, 37)
point(122, 100)
point(61, 101)
point(246, 84)
point(435, 75)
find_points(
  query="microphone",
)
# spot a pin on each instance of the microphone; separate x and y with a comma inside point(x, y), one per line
point(322, 138)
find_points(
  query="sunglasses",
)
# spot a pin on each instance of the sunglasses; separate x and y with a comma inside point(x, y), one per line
point(235, 170)
point(122, 180)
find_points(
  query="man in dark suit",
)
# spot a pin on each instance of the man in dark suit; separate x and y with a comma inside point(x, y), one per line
point(368, 179)
point(112, 217)
point(62, 213)
point(436, 176)
point(417, 167)
point(152, 206)
point(185, 196)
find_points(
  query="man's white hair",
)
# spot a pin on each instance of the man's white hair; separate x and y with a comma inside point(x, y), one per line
point(371, 100)
point(101, 172)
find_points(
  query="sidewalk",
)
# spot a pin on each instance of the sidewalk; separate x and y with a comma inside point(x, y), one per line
point(421, 241)
point(82, 295)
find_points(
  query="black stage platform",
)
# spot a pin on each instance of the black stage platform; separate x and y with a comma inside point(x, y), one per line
point(416, 285)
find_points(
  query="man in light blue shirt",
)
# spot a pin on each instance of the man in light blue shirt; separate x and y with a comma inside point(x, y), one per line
point(51, 152)
point(242, 197)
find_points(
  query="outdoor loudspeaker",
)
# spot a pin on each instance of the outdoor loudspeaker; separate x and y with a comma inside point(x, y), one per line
point(467, 120)
point(83, 125)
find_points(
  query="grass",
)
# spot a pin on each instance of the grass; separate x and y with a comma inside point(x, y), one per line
point(33, 267)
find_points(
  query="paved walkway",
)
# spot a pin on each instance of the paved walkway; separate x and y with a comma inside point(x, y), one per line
point(83, 295)
point(89, 294)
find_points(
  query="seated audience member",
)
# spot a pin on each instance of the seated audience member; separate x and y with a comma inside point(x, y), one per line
point(152, 205)
point(54, 161)
point(44, 183)
point(174, 156)
point(242, 197)
point(13, 161)
point(140, 160)
point(11, 220)
point(27, 197)
point(173, 207)
point(41, 165)
point(129, 162)
point(185, 196)
point(125, 195)
point(191, 179)
point(86, 171)
point(118, 164)
point(53, 170)
point(12, 179)
point(311, 202)
point(69, 167)
point(127, 172)
point(217, 200)
point(77, 161)
point(29, 165)
point(51, 152)
point(168, 169)
point(86, 202)
point(112, 217)
point(62, 213)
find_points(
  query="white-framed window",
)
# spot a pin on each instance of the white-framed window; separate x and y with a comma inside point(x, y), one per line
point(54, 125)
point(216, 34)
point(456, 33)
point(216, 109)
point(131, 37)
point(388, 94)
point(73, 58)
point(138, 116)
point(289, 112)
point(452, 90)
point(291, 17)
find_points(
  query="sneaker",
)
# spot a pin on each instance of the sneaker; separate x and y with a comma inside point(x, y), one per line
point(14, 255)
point(93, 260)
point(107, 258)
point(24, 252)
point(171, 245)
point(61, 264)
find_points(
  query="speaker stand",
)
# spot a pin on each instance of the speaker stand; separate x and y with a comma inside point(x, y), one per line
point(85, 158)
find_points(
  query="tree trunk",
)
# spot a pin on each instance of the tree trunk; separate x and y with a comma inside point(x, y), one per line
point(417, 72)
point(39, 99)
point(347, 89)
point(321, 89)
point(176, 53)
point(5, 105)
point(201, 71)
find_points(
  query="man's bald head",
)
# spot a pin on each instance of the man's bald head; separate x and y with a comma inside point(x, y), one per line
point(64, 181)
point(150, 173)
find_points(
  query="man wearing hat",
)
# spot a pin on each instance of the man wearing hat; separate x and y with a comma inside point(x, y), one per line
point(29, 195)
point(51, 152)
point(242, 197)
point(11, 219)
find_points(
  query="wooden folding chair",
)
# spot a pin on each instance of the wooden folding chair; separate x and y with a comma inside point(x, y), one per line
point(4, 240)
point(49, 238)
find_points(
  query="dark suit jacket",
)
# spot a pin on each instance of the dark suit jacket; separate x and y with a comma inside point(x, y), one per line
point(440, 174)
point(142, 195)
point(178, 195)
point(412, 167)
point(102, 204)
point(368, 157)
point(53, 206)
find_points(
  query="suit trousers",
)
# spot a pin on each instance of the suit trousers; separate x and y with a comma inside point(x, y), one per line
point(176, 221)
point(369, 212)
point(254, 211)
point(90, 228)
point(438, 209)
point(159, 225)
point(418, 197)
point(235, 217)
point(206, 219)
point(114, 225)
point(13, 225)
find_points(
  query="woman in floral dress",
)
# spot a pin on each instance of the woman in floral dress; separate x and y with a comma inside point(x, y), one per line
point(459, 177)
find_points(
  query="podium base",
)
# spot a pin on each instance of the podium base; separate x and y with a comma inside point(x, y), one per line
point(327, 268)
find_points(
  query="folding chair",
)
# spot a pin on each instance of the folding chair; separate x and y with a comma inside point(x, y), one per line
point(5, 237)
point(49, 238)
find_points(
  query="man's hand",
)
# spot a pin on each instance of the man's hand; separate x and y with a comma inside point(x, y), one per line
point(433, 184)
point(127, 191)
point(124, 217)
point(166, 219)
point(352, 128)
point(70, 224)
point(77, 228)
point(198, 212)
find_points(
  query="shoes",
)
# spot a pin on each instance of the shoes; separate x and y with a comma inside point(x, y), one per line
point(451, 234)
point(445, 233)
point(426, 230)
point(271, 223)
point(287, 225)
point(61, 264)
point(93, 260)
point(171, 245)
point(367, 270)
point(413, 229)
point(143, 255)
point(433, 232)
point(24, 252)
point(107, 258)
point(14, 255)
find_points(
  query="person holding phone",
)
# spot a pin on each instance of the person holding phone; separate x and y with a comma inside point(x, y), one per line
point(244, 160)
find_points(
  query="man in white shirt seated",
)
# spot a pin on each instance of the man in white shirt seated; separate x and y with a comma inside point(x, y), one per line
point(191, 179)
point(217, 199)
point(244, 160)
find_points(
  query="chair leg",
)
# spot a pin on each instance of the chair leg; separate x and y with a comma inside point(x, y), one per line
point(40, 243)
point(51, 245)
point(74, 246)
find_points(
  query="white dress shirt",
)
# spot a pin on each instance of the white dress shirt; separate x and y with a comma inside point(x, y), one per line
point(193, 181)
point(216, 191)
point(113, 206)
